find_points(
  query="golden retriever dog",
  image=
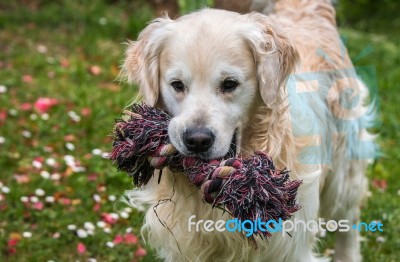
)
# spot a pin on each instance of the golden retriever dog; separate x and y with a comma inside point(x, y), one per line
point(272, 83)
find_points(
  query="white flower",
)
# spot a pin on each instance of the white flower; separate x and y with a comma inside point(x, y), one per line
point(380, 239)
point(5, 189)
point(55, 176)
point(90, 259)
point(27, 234)
point(45, 116)
point(45, 174)
point(51, 161)
point(13, 112)
point(78, 169)
point(110, 244)
point(40, 192)
point(24, 199)
point(124, 214)
point(81, 233)
point(2, 140)
point(89, 226)
point(101, 224)
point(74, 116)
point(129, 230)
point(71, 227)
point(112, 198)
point(34, 199)
point(33, 117)
point(37, 164)
point(114, 216)
point(41, 49)
point(128, 210)
point(97, 152)
point(103, 21)
point(26, 134)
point(69, 160)
point(96, 198)
point(49, 199)
point(107, 230)
point(70, 146)
point(105, 155)
point(3, 89)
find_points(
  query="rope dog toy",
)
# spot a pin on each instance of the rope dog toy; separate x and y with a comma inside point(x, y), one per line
point(249, 189)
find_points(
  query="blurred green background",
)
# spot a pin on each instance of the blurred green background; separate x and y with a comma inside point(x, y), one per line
point(59, 61)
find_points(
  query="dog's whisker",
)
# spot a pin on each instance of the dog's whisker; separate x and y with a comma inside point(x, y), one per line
point(241, 149)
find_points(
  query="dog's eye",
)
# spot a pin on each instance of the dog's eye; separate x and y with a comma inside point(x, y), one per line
point(178, 86)
point(228, 85)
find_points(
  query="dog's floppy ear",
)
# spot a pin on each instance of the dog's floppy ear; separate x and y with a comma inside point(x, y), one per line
point(274, 55)
point(141, 65)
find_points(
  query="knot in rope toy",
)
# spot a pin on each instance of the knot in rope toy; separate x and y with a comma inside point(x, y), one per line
point(249, 189)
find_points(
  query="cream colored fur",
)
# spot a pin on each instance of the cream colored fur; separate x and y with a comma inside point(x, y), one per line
point(263, 52)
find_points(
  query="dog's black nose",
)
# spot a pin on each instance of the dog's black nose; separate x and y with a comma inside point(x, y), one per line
point(198, 140)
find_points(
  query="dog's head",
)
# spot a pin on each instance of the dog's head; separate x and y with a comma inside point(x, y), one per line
point(207, 69)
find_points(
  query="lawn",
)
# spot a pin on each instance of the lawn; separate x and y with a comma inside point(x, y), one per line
point(59, 195)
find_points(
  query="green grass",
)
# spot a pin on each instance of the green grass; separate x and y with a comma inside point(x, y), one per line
point(75, 36)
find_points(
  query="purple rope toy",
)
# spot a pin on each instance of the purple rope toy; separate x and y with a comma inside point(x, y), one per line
point(249, 189)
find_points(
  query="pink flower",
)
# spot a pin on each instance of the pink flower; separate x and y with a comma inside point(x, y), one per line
point(108, 218)
point(130, 238)
point(27, 78)
point(140, 252)
point(11, 246)
point(43, 104)
point(96, 207)
point(64, 62)
point(118, 239)
point(22, 179)
point(38, 206)
point(92, 177)
point(3, 116)
point(38, 162)
point(81, 248)
point(25, 106)
point(13, 242)
point(69, 138)
point(380, 184)
point(65, 201)
point(95, 70)
point(86, 111)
